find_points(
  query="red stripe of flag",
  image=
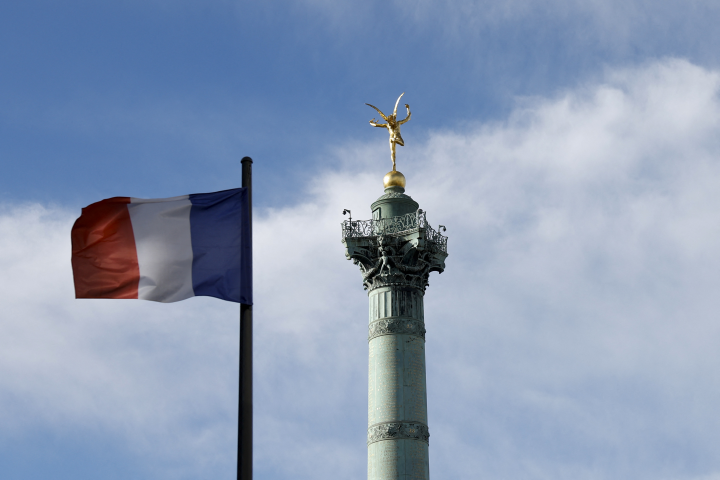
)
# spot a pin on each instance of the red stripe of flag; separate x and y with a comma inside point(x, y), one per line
point(104, 257)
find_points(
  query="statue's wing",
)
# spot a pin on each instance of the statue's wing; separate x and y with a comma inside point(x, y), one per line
point(378, 110)
point(397, 103)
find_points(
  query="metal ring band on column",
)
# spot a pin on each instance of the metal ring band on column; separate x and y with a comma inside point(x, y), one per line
point(398, 431)
point(397, 326)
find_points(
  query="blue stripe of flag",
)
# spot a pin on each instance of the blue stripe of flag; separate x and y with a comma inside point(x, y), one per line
point(222, 245)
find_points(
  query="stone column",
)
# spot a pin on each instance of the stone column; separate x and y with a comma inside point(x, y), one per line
point(396, 251)
point(397, 400)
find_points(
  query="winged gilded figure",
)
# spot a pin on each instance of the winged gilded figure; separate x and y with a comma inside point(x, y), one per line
point(393, 126)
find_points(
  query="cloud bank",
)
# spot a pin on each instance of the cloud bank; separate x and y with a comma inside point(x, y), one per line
point(572, 336)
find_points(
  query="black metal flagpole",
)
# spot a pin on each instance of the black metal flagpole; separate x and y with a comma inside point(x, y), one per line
point(245, 410)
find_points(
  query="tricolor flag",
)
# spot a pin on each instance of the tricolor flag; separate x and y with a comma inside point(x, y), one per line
point(166, 249)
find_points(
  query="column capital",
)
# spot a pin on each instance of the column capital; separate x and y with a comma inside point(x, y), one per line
point(396, 251)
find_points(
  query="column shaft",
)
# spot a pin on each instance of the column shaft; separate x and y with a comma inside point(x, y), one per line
point(397, 395)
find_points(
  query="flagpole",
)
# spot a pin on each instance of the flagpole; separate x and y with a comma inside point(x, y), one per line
point(245, 407)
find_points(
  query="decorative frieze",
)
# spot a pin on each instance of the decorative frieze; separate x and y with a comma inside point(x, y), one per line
point(397, 326)
point(398, 431)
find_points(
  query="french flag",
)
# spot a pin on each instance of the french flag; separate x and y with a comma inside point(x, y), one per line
point(166, 249)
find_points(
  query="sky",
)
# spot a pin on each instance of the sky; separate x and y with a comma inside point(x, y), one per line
point(572, 149)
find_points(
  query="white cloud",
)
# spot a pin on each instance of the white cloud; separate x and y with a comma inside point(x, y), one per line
point(573, 335)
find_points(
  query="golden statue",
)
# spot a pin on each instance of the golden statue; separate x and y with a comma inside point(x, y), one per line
point(393, 127)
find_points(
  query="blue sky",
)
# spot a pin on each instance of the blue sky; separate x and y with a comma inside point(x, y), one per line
point(571, 148)
point(176, 89)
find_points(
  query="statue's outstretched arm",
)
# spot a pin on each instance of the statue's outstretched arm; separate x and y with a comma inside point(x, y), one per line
point(372, 122)
point(406, 118)
point(378, 110)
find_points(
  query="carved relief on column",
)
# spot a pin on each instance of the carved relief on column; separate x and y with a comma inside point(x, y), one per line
point(393, 326)
point(398, 431)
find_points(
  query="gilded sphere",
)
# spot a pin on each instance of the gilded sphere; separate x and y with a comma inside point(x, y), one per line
point(394, 179)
